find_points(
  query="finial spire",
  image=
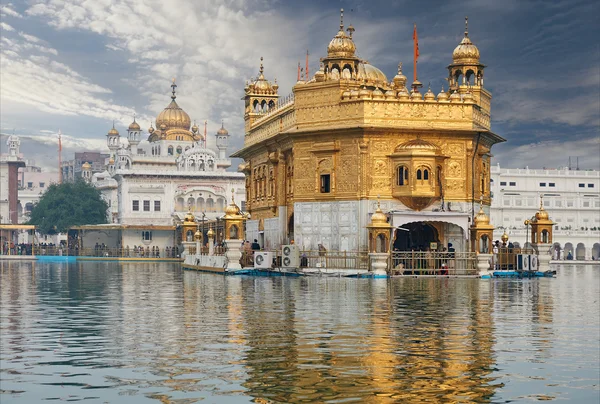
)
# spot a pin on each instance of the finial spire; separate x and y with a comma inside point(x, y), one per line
point(173, 86)
point(466, 26)
point(541, 201)
point(261, 66)
point(342, 19)
point(400, 68)
point(134, 117)
point(232, 200)
point(113, 126)
point(222, 124)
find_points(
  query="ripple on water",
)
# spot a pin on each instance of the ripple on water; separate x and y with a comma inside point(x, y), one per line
point(150, 332)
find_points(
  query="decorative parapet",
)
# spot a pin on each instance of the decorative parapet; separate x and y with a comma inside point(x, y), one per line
point(271, 125)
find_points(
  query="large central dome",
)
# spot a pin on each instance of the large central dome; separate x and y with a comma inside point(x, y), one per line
point(173, 117)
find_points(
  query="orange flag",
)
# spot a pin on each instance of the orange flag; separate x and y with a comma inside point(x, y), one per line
point(416, 50)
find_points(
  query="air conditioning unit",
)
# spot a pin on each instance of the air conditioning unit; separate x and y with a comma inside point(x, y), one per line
point(263, 259)
point(290, 256)
point(533, 265)
point(523, 261)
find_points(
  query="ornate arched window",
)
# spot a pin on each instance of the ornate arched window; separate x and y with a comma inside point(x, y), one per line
point(426, 174)
point(402, 176)
point(419, 174)
point(179, 150)
point(170, 150)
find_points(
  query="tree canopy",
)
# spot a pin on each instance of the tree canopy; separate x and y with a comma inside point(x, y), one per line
point(68, 204)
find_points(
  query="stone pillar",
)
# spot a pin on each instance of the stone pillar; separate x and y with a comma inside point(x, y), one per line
point(484, 265)
point(379, 264)
point(233, 253)
point(544, 257)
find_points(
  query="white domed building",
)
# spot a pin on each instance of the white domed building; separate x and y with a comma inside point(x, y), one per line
point(152, 180)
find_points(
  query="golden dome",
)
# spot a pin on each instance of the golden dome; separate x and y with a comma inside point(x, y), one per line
point(378, 217)
point(189, 217)
point(542, 214)
point(416, 144)
point(197, 235)
point(86, 166)
point(113, 131)
point(400, 79)
point(442, 96)
point(111, 161)
point(262, 85)
point(364, 93)
point(341, 45)
point(429, 95)
point(455, 97)
point(195, 128)
point(210, 233)
point(504, 237)
point(391, 94)
point(377, 94)
point(403, 94)
point(370, 74)
point(173, 116)
point(481, 218)
point(466, 52)
point(150, 129)
point(134, 125)
point(222, 131)
point(232, 210)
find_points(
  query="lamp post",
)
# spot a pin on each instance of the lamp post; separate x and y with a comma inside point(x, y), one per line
point(203, 218)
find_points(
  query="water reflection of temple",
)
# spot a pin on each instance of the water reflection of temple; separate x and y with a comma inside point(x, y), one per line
point(410, 342)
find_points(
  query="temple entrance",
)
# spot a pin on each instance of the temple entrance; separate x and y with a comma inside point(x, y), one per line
point(416, 236)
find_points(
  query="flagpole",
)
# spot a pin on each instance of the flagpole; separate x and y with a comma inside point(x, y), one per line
point(415, 52)
point(60, 157)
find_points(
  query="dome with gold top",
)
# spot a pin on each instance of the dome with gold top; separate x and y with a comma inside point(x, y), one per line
point(466, 52)
point(262, 85)
point(378, 217)
point(173, 117)
point(416, 144)
point(481, 218)
point(232, 210)
point(134, 125)
point(342, 45)
point(189, 217)
point(370, 74)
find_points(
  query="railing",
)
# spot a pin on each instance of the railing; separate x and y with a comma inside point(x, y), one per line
point(433, 263)
point(218, 250)
point(334, 259)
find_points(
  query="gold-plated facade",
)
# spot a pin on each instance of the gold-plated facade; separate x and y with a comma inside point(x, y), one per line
point(347, 134)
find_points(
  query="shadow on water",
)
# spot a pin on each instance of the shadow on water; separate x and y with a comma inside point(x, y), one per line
point(148, 332)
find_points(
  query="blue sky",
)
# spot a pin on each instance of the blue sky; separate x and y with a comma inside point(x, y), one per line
point(78, 65)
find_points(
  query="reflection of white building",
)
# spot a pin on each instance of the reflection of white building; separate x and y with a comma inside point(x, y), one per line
point(572, 198)
point(155, 182)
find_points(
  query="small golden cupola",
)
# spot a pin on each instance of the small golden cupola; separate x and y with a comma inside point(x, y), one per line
point(541, 226)
point(466, 71)
point(234, 220)
point(188, 227)
point(482, 232)
point(379, 231)
point(260, 96)
point(417, 180)
point(342, 45)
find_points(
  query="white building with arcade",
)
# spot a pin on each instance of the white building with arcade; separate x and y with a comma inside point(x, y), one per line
point(571, 196)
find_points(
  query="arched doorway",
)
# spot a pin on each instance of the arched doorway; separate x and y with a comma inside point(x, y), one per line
point(568, 251)
point(596, 251)
point(580, 252)
point(556, 252)
point(415, 236)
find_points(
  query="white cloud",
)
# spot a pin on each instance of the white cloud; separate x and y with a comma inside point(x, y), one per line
point(6, 27)
point(26, 65)
point(550, 154)
point(8, 10)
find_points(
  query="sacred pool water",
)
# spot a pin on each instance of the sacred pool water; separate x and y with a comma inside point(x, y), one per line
point(111, 332)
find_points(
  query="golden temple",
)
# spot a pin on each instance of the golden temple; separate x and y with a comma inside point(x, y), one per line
point(316, 161)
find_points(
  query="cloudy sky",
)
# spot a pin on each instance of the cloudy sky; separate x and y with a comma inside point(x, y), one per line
point(78, 65)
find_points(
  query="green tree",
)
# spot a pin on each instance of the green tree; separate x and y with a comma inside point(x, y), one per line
point(68, 204)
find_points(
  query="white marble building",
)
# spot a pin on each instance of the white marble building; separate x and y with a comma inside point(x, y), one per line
point(571, 197)
point(155, 182)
